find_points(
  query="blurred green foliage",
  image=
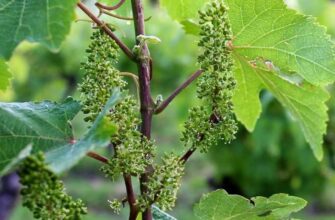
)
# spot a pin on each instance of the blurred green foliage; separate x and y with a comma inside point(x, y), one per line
point(274, 158)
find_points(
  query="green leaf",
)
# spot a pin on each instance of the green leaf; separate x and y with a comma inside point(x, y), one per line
point(247, 94)
point(191, 27)
point(44, 125)
point(43, 21)
point(287, 54)
point(21, 156)
point(99, 135)
point(4, 75)
point(305, 102)
point(159, 214)
point(183, 9)
point(293, 42)
point(219, 205)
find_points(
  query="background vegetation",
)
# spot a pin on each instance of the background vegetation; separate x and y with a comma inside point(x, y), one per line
point(274, 158)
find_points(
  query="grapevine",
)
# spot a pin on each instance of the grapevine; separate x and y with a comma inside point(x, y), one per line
point(246, 48)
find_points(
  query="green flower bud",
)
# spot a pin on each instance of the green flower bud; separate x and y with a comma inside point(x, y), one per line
point(115, 205)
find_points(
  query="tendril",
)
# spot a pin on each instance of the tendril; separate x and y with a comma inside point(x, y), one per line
point(102, 11)
point(110, 8)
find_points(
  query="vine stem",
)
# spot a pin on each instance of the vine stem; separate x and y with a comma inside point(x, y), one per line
point(98, 157)
point(144, 73)
point(108, 31)
point(131, 198)
point(187, 155)
point(166, 102)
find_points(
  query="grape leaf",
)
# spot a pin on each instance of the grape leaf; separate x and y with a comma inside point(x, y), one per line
point(43, 21)
point(45, 125)
point(25, 152)
point(295, 43)
point(305, 102)
point(286, 53)
point(190, 27)
point(159, 214)
point(183, 9)
point(62, 158)
point(4, 75)
point(219, 205)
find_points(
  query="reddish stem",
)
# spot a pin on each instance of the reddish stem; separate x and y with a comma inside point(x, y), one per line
point(166, 102)
point(110, 8)
point(107, 30)
point(144, 72)
point(97, 157)
point(130, 197)
point(187, 155)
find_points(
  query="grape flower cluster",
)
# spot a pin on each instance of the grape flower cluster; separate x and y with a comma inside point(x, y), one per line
point(100, 75)
point(214, 120)
point(44, 194)
point(163, 184)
